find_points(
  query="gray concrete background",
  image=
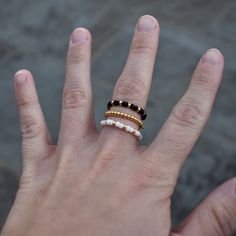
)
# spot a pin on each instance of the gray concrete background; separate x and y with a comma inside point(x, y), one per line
point(34, 35)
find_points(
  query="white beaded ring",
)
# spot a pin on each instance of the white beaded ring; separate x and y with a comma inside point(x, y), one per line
point(122, 126)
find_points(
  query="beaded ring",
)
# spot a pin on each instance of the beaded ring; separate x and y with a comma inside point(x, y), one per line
point(122, 126)
point(125, 116)
point(133, 107)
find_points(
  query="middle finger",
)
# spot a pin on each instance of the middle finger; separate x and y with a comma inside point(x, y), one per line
point(134, 83)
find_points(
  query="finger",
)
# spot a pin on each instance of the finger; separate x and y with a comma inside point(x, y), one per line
point(216, 215)
point(35, 135)
point(183, 127)
point(134, 83)
point(77, 121)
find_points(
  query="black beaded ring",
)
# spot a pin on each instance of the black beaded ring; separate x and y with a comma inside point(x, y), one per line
point(133, 107)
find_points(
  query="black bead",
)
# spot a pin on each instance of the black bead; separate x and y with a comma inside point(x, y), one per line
point(109, 105)
point(116, 103)
point(141, 111)
point(133, 107)
point(124, 104)
point(144, 116)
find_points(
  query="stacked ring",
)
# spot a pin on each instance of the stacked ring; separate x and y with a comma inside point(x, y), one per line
point(133, 107)
point(126, 128)
point(122, 126)
point(125, 116)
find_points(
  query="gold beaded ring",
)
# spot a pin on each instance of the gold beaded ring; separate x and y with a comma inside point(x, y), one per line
point(125, 116)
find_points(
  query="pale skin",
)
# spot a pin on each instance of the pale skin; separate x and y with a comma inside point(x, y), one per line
point(105, 183)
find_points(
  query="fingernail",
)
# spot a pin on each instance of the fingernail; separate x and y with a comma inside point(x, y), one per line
point(20, 78)
point(212, 56)
point(79, 35)
point(146, 23)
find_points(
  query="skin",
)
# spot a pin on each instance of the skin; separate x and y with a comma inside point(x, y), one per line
point(104, 183)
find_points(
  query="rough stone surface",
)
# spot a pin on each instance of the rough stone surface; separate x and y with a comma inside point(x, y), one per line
point(8, 187)
point(34, 35)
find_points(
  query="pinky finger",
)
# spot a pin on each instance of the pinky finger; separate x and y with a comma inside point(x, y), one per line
point(35, 136)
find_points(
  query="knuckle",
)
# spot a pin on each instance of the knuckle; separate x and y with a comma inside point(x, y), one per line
point(30, 127)
point(150, 174)
point(103, 162)
point(77, 55)
point(222, 215)
point(130, 87)
point(140, 46)
point(204, 78)
point(186, 114)
point(146, 177)
point(25, 102)
point(75, 97)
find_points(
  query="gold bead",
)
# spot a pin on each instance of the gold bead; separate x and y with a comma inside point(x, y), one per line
point(125, 116)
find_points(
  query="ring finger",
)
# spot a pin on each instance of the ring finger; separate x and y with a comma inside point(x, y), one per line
point(134, 83)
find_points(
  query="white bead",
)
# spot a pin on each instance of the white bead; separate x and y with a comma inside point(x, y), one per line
point(120, 125)
point(137, 133)
point(130, 129)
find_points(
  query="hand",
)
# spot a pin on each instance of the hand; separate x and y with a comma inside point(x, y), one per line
point(104, 183)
